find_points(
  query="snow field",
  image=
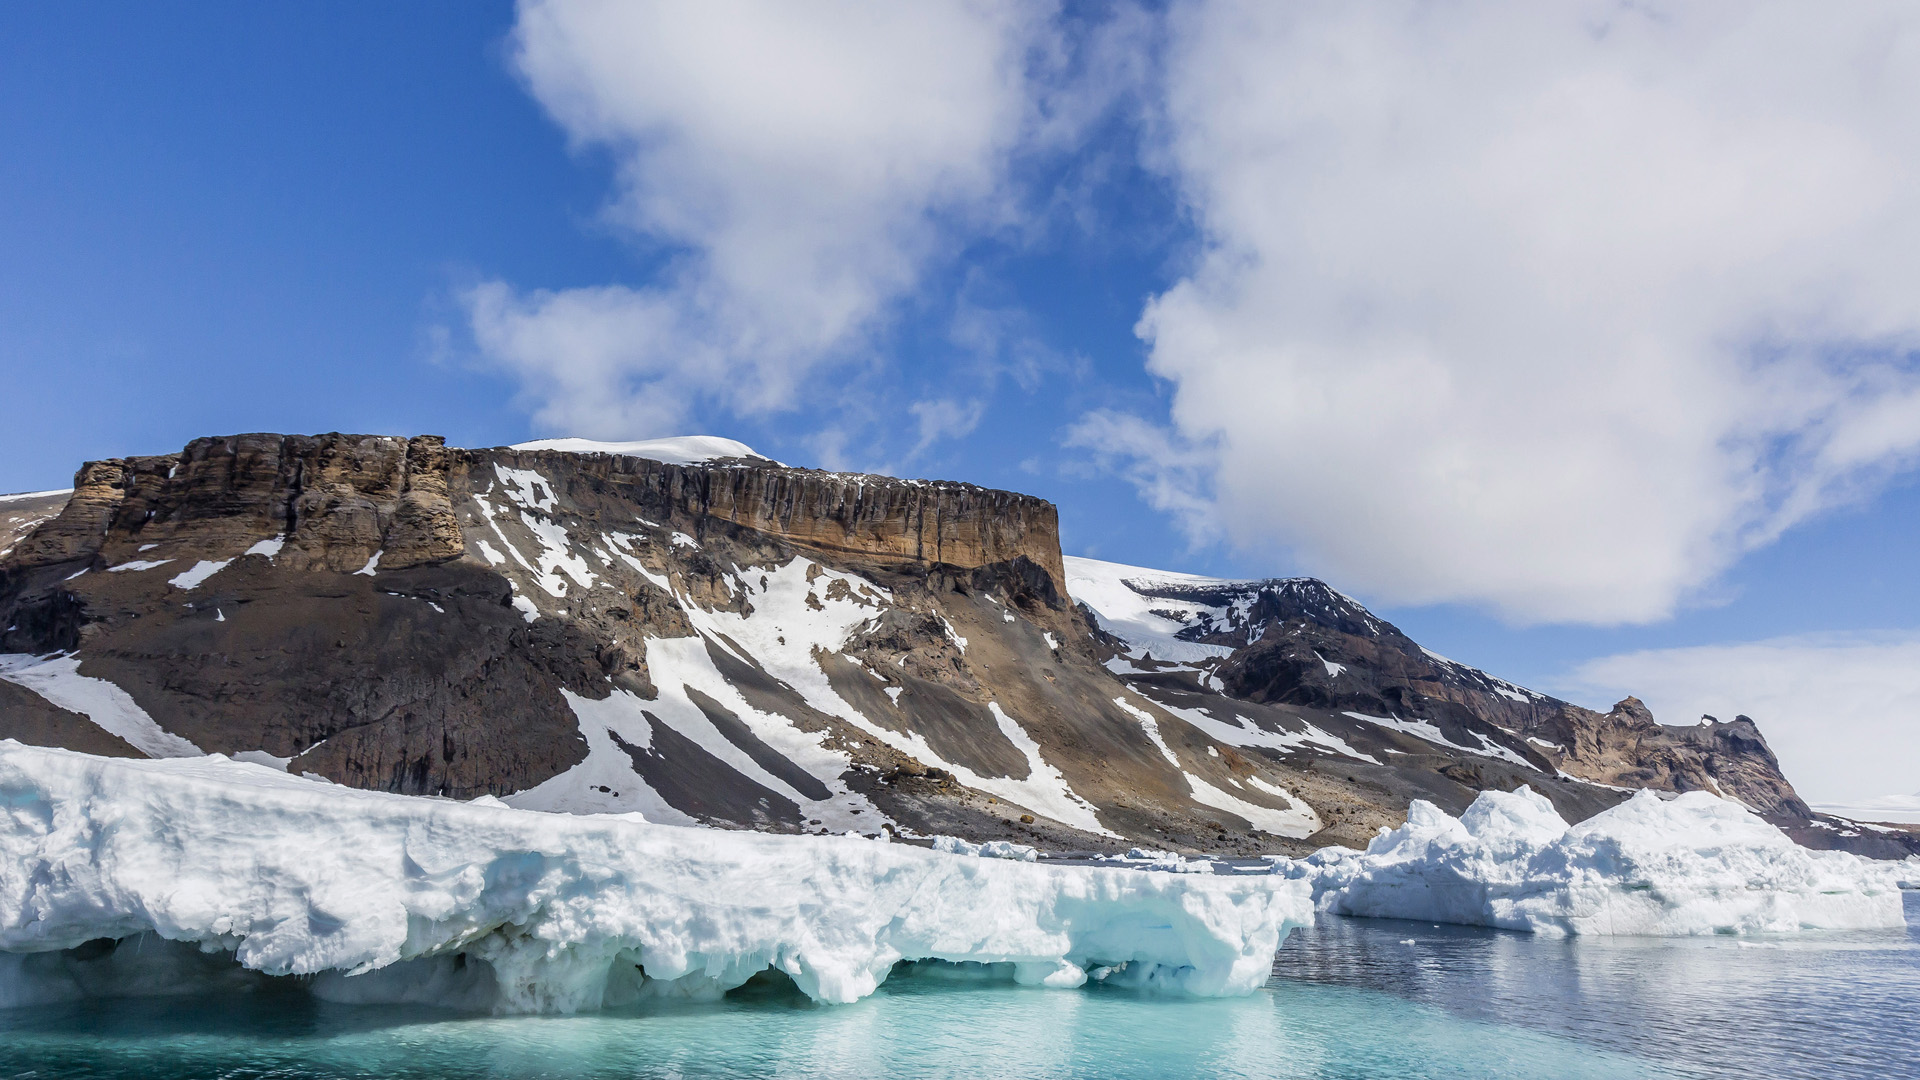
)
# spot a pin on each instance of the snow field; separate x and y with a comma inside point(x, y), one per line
point(396, 898)
point(1693, 864)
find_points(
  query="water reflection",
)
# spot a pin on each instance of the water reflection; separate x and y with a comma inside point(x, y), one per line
point(1819, 1004)
point(1350, 999)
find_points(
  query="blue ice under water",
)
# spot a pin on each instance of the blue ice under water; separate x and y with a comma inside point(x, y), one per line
point(1349, 998)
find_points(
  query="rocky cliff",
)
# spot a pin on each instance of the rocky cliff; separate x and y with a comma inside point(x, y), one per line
point(740, 643)
point(1296, 641)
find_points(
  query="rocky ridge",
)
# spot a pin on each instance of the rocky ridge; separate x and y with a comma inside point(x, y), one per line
point(735, 642)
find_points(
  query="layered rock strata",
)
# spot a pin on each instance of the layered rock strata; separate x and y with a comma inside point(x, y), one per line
point(744, 644)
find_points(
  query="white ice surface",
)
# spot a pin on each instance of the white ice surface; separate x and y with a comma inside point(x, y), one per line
point(377, 894)
point(682, 450)
point(1693, 864)
point(57, 678)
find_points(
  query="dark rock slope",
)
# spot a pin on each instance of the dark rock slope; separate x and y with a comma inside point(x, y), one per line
point(1302, 649)
point(740, 643)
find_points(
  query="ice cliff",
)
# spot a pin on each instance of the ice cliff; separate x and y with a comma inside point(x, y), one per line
point(384, 897)
point(1691, 864)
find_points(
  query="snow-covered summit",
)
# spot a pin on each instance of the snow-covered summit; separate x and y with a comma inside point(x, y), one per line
point(678, 450)
point(1188, 617)
point(1120, 596)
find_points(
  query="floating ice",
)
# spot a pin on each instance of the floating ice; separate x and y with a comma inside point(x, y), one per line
point(992, 849)
point(398, 898)
point(1694, 864)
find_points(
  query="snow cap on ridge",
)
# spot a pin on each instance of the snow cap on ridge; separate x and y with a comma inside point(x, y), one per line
point(679, 450)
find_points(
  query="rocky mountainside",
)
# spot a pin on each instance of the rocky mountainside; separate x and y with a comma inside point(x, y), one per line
point(697, 634)
point(1307, 650)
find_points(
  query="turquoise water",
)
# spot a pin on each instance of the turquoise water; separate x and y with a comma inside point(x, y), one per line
point(1349, 999)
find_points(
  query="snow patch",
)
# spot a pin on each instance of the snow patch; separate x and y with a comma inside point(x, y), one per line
point(1296, 821)
point(57, 678)
point(526, 488)
point(200, 572)
point(1253, 736)
point(1426, 731)
point(1045, 790)
point(1151, 727)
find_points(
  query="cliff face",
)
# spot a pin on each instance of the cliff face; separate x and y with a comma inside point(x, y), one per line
point(740, 643)
point(391, 613)
point(333, 500)
point(874, 519)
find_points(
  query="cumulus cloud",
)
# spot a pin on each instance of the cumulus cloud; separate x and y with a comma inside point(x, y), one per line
point(1555, 309)
point(1842, 712)
point(802, 163)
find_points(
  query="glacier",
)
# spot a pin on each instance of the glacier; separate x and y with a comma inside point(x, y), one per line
point(373, 897)
point(1686, 865)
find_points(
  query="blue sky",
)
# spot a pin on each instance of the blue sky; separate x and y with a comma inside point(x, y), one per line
point(1244, 294)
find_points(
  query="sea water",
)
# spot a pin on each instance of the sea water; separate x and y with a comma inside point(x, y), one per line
point(1350, 998)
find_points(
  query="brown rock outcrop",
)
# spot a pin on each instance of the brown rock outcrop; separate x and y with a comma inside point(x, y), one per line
point(336, 500)
point(81, 527)
point(879, 519)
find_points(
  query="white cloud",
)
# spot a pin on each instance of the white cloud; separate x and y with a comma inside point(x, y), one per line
point(1170, 474)
point(805, 161)
point(945, 418)
point(1555, 309)
point(1842, 712)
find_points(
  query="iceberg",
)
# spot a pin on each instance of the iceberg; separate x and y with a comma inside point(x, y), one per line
point(118, 874)
point(1690, 864)
point(992, 849)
